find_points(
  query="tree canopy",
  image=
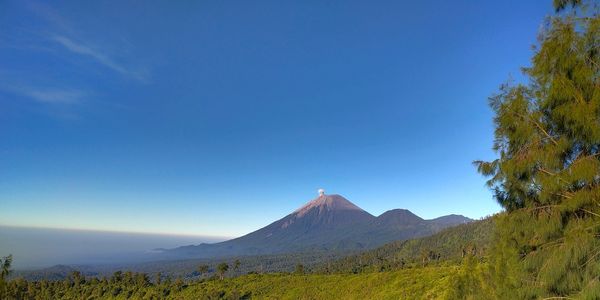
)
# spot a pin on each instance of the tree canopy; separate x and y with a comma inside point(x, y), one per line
point(547, 175)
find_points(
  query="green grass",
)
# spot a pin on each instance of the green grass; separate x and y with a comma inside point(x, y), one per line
point(418, 283)
point(432, 282)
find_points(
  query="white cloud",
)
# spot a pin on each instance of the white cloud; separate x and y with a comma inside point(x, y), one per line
point(66, 34)
point(98, 56)
point(49, 96)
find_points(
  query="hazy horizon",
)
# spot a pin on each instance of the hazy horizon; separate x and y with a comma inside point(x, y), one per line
point(35, 248)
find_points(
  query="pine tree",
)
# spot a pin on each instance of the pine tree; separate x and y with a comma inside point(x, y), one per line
point(202, 269)
point(5, 264)
point(222, 268)
point(547, 175)
point(299, 269)
point(236, 265)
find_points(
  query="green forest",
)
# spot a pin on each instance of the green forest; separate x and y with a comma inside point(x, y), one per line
point(409, 283)
point(545, 244)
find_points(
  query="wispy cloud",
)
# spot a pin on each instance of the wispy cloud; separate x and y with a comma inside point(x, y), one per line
point(54, 35)
point(98, 56)
point(48, 96)
point(66, 34)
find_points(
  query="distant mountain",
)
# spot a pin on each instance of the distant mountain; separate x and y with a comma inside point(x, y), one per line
point(398, 217)
point(329, 222)
point(450, 220)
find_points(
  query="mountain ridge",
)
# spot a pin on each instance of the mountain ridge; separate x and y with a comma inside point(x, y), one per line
point(328, 222)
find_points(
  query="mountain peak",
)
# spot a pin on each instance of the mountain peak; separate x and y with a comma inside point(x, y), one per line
point(451, 219)
point(398, 217)
point(327, 203)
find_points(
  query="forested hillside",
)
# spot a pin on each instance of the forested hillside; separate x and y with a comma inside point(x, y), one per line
point(428, 283)
point(450, 246)
point(188, 269)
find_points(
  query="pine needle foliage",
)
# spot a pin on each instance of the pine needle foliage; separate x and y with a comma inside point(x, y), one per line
point(547, 175)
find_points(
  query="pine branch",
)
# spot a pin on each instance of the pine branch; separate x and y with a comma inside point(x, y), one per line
point(591, 258)
point(563, 195)
point(545, 132)
point(576, 91)
point(536, 125)
point(578, 159)
point(552, 174)
point(591, 213)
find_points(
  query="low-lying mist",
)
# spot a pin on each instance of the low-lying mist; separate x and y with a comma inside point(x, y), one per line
point(34, 248)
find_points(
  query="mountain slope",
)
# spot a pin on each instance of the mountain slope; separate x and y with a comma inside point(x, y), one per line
point(329, 222)
point(447, 245)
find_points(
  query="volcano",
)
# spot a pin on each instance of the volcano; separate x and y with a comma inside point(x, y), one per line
point(329, 222)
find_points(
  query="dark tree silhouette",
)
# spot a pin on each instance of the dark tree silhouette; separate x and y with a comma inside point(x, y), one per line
point(202, 269)
point(222, 269)
point(236, 265)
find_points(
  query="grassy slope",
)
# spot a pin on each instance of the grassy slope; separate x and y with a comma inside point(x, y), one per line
point(413, 283)
point(428, 283)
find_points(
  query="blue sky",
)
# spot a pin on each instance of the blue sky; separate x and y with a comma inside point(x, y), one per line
point(218, 117)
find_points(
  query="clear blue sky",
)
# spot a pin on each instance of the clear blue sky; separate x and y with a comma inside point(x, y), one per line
point(218, 117)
